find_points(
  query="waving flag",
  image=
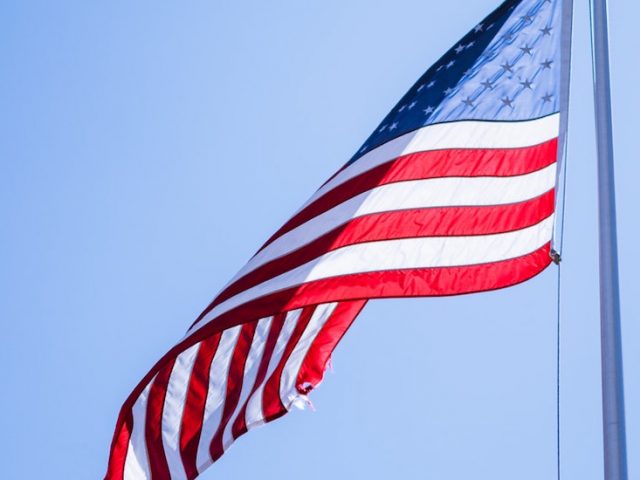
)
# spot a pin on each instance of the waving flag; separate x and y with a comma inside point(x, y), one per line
point(452, 193)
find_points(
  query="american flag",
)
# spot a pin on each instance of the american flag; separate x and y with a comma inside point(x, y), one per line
point(452, 193)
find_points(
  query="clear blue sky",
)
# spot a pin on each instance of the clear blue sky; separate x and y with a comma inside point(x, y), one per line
point(148, 148)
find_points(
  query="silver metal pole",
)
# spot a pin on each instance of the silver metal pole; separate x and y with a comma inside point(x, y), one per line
point(615, 455)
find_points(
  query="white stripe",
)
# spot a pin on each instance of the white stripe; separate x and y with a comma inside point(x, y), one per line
point(254, 415)
point(399, 254)
point(136, 465)
point(216, 394)
point(173, 409)
point(428, 193)
point(461, 134)
point(249, 377)
point(288, 392)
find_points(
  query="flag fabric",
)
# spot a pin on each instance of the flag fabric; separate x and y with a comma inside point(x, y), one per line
point(452, 193)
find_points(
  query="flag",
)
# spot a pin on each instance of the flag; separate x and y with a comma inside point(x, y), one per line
point(452, 193)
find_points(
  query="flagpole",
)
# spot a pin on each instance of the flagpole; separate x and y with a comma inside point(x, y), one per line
point(615, 458)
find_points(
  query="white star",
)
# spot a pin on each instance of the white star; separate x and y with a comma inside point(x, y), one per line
point(478, 28)
point(420, 87)
point(526, 49)
point(402, 108)
point(487, 84)
point(411, 105)
point(527, 84)
point(459, 48)
point(393, 126)
point(382, 128)
point(450, 64)
point(546, 31)
point(507, 67)
point(448, 90)
point(428, 110)
point(431, 83)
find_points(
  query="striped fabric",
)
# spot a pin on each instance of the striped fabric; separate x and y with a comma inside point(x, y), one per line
point(453, 193)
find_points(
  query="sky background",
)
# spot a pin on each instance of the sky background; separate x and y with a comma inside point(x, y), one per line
point(148, 148)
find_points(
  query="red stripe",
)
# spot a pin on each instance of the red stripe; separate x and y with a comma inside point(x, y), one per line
point(423, 281)
point(431, 164)
point(153, 424)
point(120, 446)
point(196, 399)
point(315, 361)
point(430, 222)
point(235, 377)
point(271, 402)
point(414, 282)
point(240, 425)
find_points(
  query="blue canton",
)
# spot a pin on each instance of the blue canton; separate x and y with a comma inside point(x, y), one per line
point(506, 68)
